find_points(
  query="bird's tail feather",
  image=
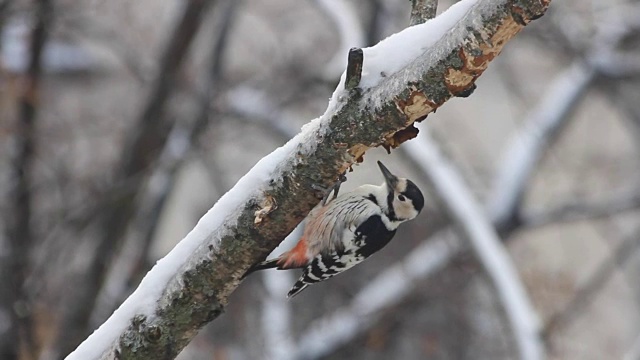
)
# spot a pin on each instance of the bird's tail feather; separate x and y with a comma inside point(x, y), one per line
point(297, 289)
point(267, 264)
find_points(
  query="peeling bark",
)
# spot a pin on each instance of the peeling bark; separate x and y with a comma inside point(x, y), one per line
point(199, 293)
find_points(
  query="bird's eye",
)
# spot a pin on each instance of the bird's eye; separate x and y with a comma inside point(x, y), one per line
point(401, 198)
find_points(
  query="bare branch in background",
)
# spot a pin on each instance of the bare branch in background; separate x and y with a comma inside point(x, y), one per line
point(141, 150)
point(626, 102)
point(422, 10)
point(583, 210)
point(276, 309)
point(276, 316)
point(541, 127)
point(191, 285)
point(181, 142)
point(323, 329)
point(15, 302)
point(582, 298)
point(468, 216)
point(389, 288)
point(378, 21)
point(348, 23)
point(260, 111)
point(544, 124)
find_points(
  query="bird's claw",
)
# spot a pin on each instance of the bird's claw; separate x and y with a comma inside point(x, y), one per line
point(333, 189)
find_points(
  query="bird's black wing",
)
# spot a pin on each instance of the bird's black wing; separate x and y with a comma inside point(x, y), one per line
point(371, 236)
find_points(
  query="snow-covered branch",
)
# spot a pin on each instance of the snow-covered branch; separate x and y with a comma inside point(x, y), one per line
point(180, 144)
point(404, 78)
point(142, 148)
point(469, 217)
point(322, 331)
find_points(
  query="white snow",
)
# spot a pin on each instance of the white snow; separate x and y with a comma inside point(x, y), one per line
point(398, 50)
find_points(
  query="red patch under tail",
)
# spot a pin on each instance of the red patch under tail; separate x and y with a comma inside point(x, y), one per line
point(294, 258)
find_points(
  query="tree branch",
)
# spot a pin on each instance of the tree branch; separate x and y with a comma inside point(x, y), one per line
point(191, 285)
point(323, 336)
point(354, 68)
point(526, 148)
point(323, 330)
point(545, 123)
point(586, 294)
point(14, 264)
point(141, 149)
point(182, 140)
point(485, 242)
point(422, 10)
point(583, 210)
point(276, 311)
point(347, 22)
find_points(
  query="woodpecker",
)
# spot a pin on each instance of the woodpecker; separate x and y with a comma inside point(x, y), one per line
point(341, 233)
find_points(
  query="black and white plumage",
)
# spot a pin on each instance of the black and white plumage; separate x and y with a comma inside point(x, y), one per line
point(347, 230)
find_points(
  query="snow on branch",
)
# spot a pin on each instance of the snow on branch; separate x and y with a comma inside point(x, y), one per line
point(469, 216)
point(323, 330)
point(404, 78)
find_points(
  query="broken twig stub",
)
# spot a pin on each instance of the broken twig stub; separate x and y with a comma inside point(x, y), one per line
point(354, 68)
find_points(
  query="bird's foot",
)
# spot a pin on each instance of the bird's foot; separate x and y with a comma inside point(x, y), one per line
point(325, 192)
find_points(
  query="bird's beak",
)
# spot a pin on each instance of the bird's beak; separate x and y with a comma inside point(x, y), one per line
point(389, 178)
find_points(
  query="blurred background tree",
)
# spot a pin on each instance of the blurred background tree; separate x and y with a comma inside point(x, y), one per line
point(122, 122)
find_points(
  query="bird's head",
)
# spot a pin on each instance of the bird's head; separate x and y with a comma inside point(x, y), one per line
point(404, 200)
